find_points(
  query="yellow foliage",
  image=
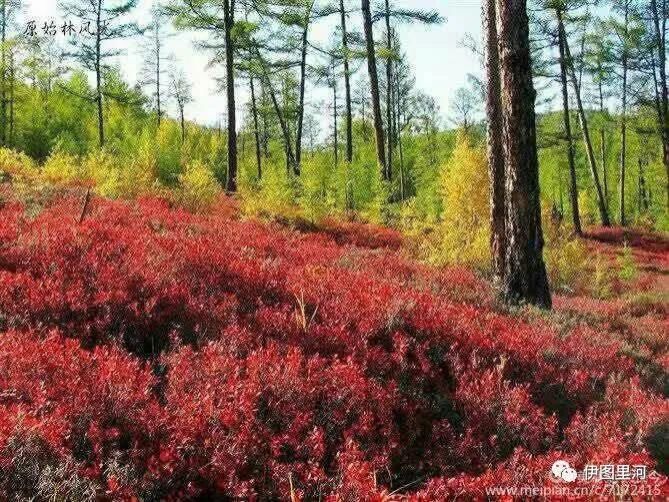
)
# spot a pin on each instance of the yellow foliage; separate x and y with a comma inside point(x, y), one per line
point(199, 187)
point(465, 228)
point(116, 178)
point(17, 164)
point(274, 196)
point(62, 168)
point(567, 263)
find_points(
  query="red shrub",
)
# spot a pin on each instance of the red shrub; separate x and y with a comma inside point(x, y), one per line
point(220, 358)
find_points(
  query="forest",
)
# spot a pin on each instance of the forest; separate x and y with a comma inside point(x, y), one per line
point(338, 290)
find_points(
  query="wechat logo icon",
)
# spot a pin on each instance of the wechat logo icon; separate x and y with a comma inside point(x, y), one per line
point(562, 471)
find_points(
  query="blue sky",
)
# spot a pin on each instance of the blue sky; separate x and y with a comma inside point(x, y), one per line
point(439, 61)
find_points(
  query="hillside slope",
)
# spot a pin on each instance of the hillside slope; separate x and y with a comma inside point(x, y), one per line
point(151, 353)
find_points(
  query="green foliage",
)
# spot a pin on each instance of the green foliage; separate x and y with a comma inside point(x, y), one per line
point(627, 268)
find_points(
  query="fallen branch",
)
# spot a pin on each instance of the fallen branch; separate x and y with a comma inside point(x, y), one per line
point(84, 209)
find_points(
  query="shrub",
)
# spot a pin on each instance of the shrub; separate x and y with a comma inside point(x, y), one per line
point(156, 354)
point(62, 168)
point(17, 165)
point(465, 230)
point(275, 195)
point(198, 187)
point(627, 266)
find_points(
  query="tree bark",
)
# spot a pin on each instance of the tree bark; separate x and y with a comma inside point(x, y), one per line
point(290, 154)
point(336, 125)
point(602, 140)
point(495, 149)
point(158, 97)
point(623, 142)
point(347, 85)
point(374, 87)
point(183, 124)
point(660, 24)
point(256, 128)
point(389, 94)
point(525, 278)
point(303, 84)
point(3, 77)
point(98, 76)
point(603, 213)
point(229, 20)
point(573, 186)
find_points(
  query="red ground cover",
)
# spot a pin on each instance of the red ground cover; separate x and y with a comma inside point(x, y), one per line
point(151, 354)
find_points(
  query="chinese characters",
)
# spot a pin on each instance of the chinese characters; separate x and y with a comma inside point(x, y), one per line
point(65, 28)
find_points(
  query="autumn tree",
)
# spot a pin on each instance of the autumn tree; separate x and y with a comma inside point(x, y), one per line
point(495, 147)
point(154, 70)
point(105, 23)
point(524, 277)
point(8, 11)
point(559, 7)
point(379, 132)
point(220, 19)
point(180, 90)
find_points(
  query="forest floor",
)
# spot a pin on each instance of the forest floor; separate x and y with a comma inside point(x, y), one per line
point(149, 352)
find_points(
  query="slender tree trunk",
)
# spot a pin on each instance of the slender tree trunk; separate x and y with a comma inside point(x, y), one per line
point(605, 176)
point(12, 91)
point(374, 86)
point(495, 148)
point(3, 77)
point(290, 155)
point(303, 84)
point(158, 98)
point(525, 277)
point(256, 128)
point(398, 121)
point(660, 23)
point(183, 124)
point(623, 142)
point(347, 85)
point(602, 139)
point(604, 214)
point(98, 77)
point(389, 94)
point(573, 186)
point(229, 20)
point(336, 125)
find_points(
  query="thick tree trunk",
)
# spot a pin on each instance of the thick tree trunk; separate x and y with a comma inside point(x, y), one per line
point(603, 213)
point(256, 128)
point(229, 20)
point(347, 85)
point(374, 87)
point(525, 278)
point(573, 186)
point(495, 148)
